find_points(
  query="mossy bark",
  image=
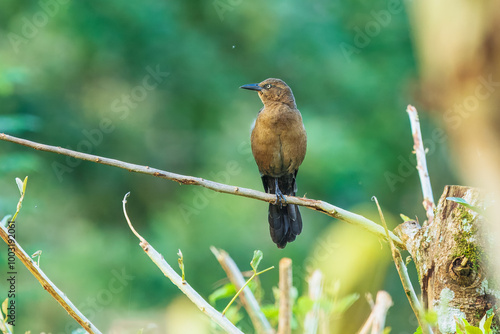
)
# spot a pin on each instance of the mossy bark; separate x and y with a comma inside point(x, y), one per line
point(450, 256)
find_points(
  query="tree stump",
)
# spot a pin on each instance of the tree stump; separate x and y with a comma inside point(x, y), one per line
point(451, 260)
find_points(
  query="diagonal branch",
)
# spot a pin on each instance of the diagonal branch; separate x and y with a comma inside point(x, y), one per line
point(320, 206)
point(175, 278)
point(46, 282)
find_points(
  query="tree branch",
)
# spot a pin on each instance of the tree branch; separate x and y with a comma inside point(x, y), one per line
point(315, 282)
point(419, 149)
point(405, 280)
point(285, 286)
point(376, 320)
point(46, 282)
point(170, 273)
point(259, 320)
point(320, 206)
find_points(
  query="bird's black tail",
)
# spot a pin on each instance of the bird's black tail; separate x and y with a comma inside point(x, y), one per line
point(285, 222)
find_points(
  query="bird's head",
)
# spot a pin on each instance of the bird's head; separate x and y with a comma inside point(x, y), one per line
point(273, 90)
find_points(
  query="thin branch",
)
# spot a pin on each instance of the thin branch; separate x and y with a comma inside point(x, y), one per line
point(376, 320)
point(419, 149)
point(259, 320)
point(170, 273)
point(405, 279)
point(285, 286)
point(320, 206)
point(315, 282)
point(46, 282)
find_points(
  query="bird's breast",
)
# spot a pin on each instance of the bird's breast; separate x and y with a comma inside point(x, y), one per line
point(278, 141)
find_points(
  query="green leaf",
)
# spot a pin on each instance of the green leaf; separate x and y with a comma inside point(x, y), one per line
point(431, 317)
point(4, 306)
point(271, 311)
point(473, 330)
point(304, 305)
point(343, 304)
point(20, 185)
point(466, 204)
point(405, 218)
point(418, 331)
point(257, 257)
point(487, 323)
point(226, 291)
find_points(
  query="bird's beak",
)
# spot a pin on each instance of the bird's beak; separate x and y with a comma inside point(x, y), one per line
point(252, 87)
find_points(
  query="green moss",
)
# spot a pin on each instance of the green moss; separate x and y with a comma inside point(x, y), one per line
point(464, 246)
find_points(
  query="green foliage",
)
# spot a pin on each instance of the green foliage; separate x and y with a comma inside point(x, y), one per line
point(463, 326)
point(466, 204)
point(405, 218)
point(72, 73)
point(257, 257)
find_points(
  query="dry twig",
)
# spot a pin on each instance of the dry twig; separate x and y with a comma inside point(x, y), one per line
point(376, 320)
point(46, 282)
point(259, 320)
point(405, 279)
point(419, 150)
point(320, 206)
point(285, 286)
point(170, 273)
point(311, 321)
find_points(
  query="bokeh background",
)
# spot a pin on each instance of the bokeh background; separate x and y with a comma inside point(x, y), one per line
point(156, 83)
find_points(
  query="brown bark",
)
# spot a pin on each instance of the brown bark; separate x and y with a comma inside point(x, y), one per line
point(453, 268)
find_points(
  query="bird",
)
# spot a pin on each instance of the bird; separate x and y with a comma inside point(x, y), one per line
point(279, 143)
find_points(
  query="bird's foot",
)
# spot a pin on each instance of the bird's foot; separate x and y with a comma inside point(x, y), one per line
point(280, 198)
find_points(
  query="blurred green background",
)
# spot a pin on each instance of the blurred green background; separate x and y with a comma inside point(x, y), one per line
point(156, 83)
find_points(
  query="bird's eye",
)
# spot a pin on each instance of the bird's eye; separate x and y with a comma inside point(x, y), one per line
point(267, 86)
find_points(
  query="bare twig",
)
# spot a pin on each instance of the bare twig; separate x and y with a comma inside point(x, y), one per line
point(376, 320)
point(46, 282)
point(405, 279)
point(285, 286)
point(259, 320)
point(320, 206)
point(419, 149)
point(311, 321)
point(170, 273)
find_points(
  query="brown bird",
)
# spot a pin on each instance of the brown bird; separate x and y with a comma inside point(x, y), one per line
point(279, 146)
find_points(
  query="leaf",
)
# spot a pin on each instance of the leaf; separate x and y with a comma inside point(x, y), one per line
point(405, 218)
point(181, 264)
point(466, 204)
point(257, 257)
point(304, 305)
point(487, 323)
point(418, 331)
point(20, 185)
point(343, 304)
point(225, 291)
point(431, 317)
point(270, 311)
point(4, 306)
point(473, 330)
point(5, 220)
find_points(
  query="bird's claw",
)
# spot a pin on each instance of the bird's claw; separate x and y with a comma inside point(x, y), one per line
point(280, 198)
